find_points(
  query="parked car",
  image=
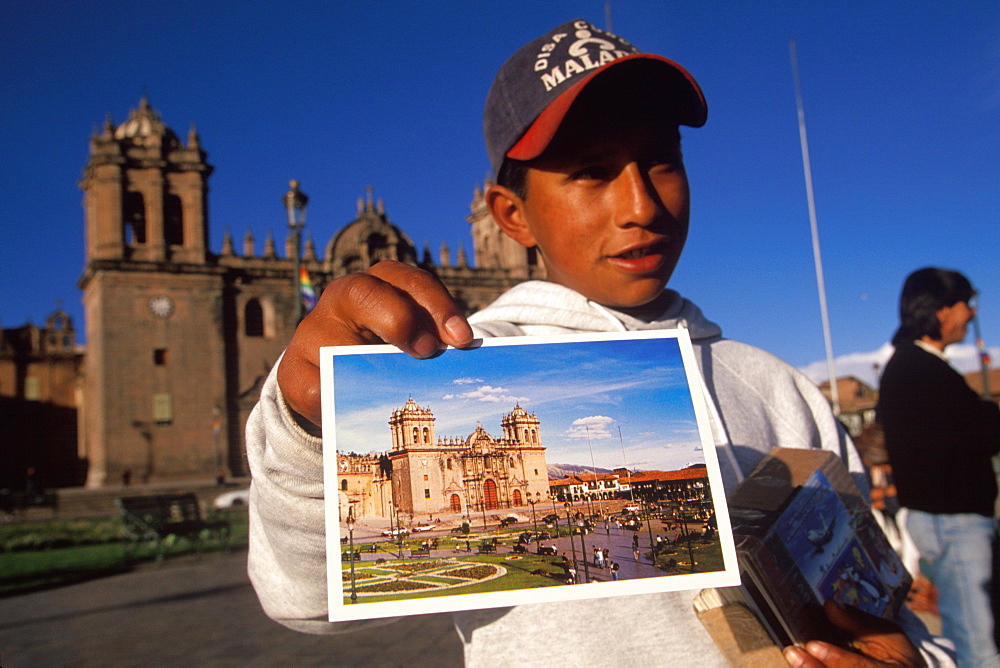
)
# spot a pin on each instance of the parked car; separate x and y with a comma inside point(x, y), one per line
point(423, 527)
point(396, 532)
point(239, 498)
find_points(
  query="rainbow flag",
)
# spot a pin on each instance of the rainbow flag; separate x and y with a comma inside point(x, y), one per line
point(306, 290)
point(984, 354)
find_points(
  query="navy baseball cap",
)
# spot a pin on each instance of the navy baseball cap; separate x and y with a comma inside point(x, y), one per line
point(536, 87)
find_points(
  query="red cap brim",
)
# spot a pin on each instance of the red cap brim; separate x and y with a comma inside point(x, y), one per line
point(537, 137)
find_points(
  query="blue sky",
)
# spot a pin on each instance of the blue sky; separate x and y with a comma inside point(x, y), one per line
point(901, 104)
point(626, 402)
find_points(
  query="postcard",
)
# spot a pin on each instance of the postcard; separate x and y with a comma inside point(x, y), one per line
point(822, 535)
point(520, 470)
point(803, 534)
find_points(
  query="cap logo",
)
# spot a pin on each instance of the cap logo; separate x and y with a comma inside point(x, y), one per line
point(587, 52)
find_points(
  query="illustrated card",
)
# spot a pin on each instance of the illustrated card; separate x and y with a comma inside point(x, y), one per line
point(822, 536)
point(520, 470)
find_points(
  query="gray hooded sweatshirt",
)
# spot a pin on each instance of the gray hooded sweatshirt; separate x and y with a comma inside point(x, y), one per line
point(756, 402)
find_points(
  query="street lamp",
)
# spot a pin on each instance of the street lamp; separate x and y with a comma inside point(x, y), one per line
point(649, 528)
point(583, 548)
point(572, 543)
point(216, 430)
point(685, 532)
point(350, 536)
point(532, 502)
point(295, 205)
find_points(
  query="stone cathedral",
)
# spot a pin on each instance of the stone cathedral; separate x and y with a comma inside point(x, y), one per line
point(180, 337)
point(431, 475)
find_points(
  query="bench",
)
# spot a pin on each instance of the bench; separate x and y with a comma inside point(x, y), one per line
point(154, 519)
point(20, 502)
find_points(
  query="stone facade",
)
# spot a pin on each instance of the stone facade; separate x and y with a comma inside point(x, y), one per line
point(180, 338)
point(431, 475)
point(40, 390)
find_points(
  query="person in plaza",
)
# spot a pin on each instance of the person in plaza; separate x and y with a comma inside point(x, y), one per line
point(941, 438)
point(582, 131)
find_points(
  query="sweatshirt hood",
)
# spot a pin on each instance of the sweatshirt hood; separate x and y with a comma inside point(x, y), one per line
point(541, 304)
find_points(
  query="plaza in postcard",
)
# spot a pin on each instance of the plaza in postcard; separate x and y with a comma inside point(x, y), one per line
point(506, 473)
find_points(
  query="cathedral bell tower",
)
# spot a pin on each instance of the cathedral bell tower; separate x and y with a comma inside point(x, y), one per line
point(154, 377)
point(145, 192)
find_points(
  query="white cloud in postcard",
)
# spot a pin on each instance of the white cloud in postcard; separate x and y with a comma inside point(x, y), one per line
point(490, 394)
point(594, 427)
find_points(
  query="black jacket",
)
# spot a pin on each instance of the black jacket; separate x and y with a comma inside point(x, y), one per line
point(940, 435)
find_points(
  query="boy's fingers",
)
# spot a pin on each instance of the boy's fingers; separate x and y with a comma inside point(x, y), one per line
point(391, 303)
point(431, 297)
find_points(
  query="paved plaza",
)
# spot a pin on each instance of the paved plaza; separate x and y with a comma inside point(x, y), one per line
point(197, 612)
point(203, 611)
point(617, 540)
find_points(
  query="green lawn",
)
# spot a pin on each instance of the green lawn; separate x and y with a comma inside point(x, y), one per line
point(526, 571)
point(707, 558)
point(46, 554)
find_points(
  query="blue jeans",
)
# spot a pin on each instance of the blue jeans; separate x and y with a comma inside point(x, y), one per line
point(956, 552)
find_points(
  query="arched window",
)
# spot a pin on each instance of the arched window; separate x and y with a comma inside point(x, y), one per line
point(416, 435)
point(448, 463)
point(135, 218)
point(253, 318)
point(427, 435)
point(173, 221)
point(378, 248)
point(343, 485)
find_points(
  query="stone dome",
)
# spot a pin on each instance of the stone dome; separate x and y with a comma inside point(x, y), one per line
point(479, 437)
point(369, 239)
point(145, 128)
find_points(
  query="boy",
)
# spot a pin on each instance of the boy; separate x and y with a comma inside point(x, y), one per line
point(581, 130)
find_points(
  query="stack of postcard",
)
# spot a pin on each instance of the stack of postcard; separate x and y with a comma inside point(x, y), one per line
point(804, 534)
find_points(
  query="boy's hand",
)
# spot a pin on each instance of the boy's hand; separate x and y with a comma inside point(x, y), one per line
point(876, 641)
point(390, 303)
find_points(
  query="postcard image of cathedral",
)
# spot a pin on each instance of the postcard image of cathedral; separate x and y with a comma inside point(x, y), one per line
point(422, 475)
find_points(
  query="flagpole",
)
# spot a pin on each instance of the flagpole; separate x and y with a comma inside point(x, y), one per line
point(625, 461)
point(593, 467)
point(984, 358)
point(817, 259)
